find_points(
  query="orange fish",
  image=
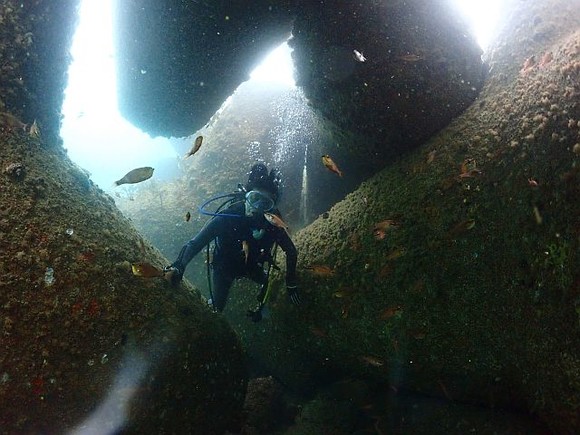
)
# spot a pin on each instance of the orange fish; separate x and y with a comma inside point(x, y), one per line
point(11, 122)
point(386, 224)
point(387, 313)
point(329, 163)
point(385, 271)
point(321, 270)
point(354, 241)
point(276, 220)
point(528, 65)
point(546, 59)
point(431, 156)
point(195, 148)
point(146, 270)
point(418, 334)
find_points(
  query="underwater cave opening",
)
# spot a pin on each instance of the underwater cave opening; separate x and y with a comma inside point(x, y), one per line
point(482, 17)
point(95, 134)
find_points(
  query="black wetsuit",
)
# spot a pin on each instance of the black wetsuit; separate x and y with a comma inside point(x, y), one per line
point(229, 260)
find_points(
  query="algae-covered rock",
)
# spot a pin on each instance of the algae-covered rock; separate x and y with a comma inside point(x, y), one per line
point(87, 346)
point(85, 343)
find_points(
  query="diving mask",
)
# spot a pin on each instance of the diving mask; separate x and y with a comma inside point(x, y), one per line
point(258, 201)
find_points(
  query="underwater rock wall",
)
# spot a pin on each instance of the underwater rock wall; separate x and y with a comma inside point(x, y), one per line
point(454, 273)
point(34, 59)
point(84, 340)
point(87, 346)
point(419, 68)
point(81, 334)
point(179, 60)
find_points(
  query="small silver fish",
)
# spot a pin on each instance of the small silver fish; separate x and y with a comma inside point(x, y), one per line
point(359, 56)
point(136, 176)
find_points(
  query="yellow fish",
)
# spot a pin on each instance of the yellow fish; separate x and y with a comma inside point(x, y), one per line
point(329, 163)
point(276, 220)
point(195, 148)
point(136, 176)
point(146, 270)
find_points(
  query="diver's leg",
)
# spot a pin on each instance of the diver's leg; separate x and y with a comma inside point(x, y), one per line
point(259, 275)
point(222, 281)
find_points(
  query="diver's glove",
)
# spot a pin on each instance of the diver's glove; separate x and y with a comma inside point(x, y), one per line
point(294, 294)
point(172, 275)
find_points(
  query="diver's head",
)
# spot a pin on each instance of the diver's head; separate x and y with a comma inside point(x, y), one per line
point(262, 190)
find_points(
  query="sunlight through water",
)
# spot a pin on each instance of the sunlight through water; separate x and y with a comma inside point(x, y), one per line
point(276, 67)
point(95, 134)
point(483, 16)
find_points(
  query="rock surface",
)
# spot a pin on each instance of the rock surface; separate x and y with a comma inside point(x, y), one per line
point(181, 59)
point(87, 346)
point(86, 342)
point(419, 69)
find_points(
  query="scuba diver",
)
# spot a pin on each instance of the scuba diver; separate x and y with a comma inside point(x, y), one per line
point(244, 239)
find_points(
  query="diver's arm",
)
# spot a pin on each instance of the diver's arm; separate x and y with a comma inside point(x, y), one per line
point(209, 232)
point(287, 245)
